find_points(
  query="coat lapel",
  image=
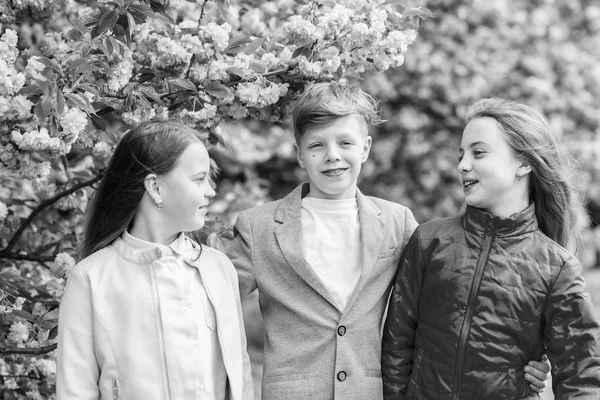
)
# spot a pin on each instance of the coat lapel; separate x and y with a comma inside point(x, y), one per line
point(372, 231)
point(290, 240)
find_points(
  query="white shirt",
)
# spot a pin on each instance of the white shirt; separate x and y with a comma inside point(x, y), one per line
point(331, 242)
point(191, 319)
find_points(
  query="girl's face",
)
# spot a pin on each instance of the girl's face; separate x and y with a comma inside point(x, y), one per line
point(185, 190)
point(488, 169)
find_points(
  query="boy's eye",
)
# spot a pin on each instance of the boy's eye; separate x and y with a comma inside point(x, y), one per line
point(459, 158)
point(346, 143)
point(314, 145)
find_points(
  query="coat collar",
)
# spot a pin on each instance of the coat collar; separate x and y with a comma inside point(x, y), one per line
point(478, 221)
point(290, 240)
point(139, 251)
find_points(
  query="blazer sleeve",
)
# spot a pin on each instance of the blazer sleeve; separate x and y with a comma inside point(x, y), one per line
point(248, 384)
point(241, 253)
point(77, 371)
point(572, 332)
point(398, 341)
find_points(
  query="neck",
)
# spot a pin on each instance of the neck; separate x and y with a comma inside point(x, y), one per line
point(148, 225)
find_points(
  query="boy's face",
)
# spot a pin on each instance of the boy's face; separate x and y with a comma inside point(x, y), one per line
point(332, 156)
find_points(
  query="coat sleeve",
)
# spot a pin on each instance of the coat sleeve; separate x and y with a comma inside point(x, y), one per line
point(572, 332)
point(398, 341)
point(248, 388)
point(77, 371)
point(241, 253)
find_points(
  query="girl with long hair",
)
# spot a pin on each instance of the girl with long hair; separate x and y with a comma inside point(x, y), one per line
point(148, 313)
point(479, 294)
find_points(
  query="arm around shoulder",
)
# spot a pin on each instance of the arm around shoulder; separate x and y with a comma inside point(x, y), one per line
point(398, 341)
point(241, 253)
point(573, 335)
point(77, 370)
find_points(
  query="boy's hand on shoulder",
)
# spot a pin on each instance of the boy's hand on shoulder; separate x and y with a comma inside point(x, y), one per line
point(221, 240)
point(537, 374)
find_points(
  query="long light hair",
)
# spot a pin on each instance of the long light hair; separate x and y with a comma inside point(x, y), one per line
point(149, 148)
point(552, 177)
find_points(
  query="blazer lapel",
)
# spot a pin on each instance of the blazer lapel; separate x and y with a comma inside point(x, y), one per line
point(290, 240)
point(372, 231)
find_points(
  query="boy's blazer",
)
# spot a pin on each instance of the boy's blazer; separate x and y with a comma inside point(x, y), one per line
point(312, 350)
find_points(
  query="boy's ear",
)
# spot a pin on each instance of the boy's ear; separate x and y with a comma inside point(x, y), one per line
point(366, 148)
point(523, 169)
point(299, 155)
point(152, 187)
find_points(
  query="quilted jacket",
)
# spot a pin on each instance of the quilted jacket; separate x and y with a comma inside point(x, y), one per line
point(474, 299)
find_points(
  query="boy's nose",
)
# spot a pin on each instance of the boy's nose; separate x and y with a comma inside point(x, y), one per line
point(332, 156)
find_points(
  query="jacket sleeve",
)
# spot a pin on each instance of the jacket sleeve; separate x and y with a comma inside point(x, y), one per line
point(398, 341)
point(572, 332)
point(241, 253)
point(248, 388)
point(77, 371)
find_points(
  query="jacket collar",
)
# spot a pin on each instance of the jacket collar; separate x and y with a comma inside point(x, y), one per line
point(478, 221)
point(290, 206)
point(290, 240)
point(139, 251)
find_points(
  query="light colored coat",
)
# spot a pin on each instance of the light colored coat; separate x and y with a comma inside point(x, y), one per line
point(110, 340)
point(312, 350)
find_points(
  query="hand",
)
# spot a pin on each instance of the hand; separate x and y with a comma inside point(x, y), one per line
point(537, 374)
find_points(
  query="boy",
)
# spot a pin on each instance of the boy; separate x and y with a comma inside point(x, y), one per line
point(323, 258)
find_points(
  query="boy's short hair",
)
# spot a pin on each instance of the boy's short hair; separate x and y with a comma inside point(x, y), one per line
point(323, 102)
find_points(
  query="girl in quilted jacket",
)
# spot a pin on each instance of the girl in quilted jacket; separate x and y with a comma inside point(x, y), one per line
point(149, 314)
point(479, 294)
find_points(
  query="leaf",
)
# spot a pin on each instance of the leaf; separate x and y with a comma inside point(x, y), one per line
point(38, 110)
point(50, 315)
point(236, 44)
point(237, 71)
point(103, 49)
point(214, 139)
point(53, 333)
point(60, 103)
point(302, 51)
point(329, 3)
point(107, 21)
point(79, 26)
point(80, 101)
point(74, 35)
point(141, 12)
point(11, 273)
point(30, 90)
point(149, 92)
point(223, 7)
point(258, 67)
point(216, 89)
point(92, 19)
point(254, 45)
point(181, 84)
point(301, 2)
point(130, 25)
point(24, 315)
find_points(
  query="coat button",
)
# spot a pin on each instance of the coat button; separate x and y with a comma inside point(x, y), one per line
point(341, 330)
point(341, 376)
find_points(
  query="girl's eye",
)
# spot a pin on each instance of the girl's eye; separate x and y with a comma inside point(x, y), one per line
point(459, 158)
point(478, 153)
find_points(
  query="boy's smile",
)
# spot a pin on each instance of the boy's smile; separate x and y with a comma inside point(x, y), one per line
point(332, 155)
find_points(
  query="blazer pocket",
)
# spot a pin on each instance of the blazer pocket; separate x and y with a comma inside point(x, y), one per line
point(373, 373)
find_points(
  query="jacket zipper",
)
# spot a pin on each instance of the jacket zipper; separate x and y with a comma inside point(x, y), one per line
point(466, 326)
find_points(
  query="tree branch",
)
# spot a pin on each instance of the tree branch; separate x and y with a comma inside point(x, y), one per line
point(15, 238)
point(32, 351)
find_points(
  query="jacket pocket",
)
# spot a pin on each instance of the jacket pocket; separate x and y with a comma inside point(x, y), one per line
point(414, 374)
point(116, 389)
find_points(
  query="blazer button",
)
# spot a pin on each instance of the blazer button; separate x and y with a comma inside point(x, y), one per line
point(341, 376)
point(341, 330)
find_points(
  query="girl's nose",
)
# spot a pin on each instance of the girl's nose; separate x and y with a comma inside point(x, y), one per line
point(464, 165)
point(210, 191)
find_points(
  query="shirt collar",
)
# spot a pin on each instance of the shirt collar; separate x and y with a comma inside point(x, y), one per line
point(140, 251)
